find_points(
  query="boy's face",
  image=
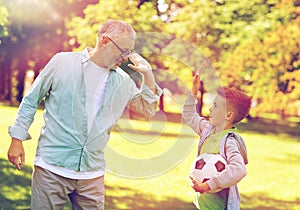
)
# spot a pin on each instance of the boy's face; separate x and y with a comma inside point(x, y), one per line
point(217, 115)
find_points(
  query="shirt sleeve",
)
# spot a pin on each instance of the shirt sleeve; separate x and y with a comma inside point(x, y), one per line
point(235, 169)
point(144, 101)
point(148, 94)
point(191, 116)
point(31, 100)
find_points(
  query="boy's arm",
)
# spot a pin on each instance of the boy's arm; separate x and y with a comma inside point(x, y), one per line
point(235, 170)
point(196, 85)
point(189, 113)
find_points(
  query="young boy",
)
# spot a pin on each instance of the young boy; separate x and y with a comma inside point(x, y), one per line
point(218, 135)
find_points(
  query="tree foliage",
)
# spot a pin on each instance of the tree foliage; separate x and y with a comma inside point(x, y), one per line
point(3, 21)
point(36, 32)
point(217, 27)
point(253, 45)
point(243, 39)
point(151, 39)
point(85, 28)
point(269, 69)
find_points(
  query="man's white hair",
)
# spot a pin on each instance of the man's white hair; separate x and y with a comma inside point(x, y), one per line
point(116, 29)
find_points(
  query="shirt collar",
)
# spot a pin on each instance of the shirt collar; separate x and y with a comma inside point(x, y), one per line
point(222, 133)
point(85, 55)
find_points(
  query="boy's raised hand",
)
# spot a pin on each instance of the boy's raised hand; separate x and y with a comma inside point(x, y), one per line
point(196, 84)
point(196, 80)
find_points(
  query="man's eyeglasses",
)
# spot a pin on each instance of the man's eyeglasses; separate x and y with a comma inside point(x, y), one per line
point(124, 54)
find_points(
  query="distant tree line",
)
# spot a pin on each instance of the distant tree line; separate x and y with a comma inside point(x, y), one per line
point(253, 45)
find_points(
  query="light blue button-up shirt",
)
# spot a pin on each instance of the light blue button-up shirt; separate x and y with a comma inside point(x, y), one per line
point(64, 140)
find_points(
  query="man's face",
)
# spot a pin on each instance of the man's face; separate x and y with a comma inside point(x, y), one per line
point(119, 50)
point(218, 112)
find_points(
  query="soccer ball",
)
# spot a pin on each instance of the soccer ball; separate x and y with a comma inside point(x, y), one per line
point(206, 166)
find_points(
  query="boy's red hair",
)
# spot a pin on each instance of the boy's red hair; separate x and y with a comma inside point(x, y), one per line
point(237, 100)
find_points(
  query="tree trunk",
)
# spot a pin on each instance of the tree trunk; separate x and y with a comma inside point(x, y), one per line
point(20, 86)
point(200, 99)
point(2, 80)
point(7, 79)
point(161, 103)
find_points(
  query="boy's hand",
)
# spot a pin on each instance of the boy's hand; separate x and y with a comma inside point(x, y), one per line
point(196, 84)
point(196, 80)
point(16, 154)
point(199, 187)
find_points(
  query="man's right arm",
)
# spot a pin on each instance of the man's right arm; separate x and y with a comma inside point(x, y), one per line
point(31, 101)
point(26, 112)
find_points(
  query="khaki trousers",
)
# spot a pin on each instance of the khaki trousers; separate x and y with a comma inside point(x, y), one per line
point(51, 191)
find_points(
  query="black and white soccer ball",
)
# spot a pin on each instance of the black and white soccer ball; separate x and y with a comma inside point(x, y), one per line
point(206, 166)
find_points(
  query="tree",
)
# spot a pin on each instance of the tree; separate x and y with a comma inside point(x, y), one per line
point(194, 30)
point(3, 33)
point(36, 32)
point(243, 40)
point(269, 70)
point(222, 27)
point(3, 21)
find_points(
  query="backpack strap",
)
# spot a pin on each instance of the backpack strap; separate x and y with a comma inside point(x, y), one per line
point(228, 135)
point(243, 151)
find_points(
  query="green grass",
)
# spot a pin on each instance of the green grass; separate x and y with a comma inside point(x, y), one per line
point(272, 181)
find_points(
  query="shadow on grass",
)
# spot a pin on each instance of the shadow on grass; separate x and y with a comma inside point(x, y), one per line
point(123, 130)
point(266, 126)
point(257, 125)
point(134, 200)
point(15, 194)
point(261, 201)
point(15, 191)
point(15, 187)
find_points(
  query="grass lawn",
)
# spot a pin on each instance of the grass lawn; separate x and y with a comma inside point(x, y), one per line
point(272, 181)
